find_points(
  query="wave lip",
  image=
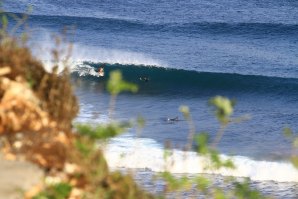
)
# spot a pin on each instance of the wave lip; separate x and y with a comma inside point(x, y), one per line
point(84, 57)
point(144, 153)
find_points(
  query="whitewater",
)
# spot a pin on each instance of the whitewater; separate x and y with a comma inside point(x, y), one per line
point(190, 51)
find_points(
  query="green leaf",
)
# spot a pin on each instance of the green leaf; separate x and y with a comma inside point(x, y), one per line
point(4, 21)
point(295, 142)
point(58, 191)
point(294, 161)
point(62, 190)
point(116, 85)
point(167, 153)
point(223, 108)
point(219, 194)
point(202, 143)
point(202, 183)
point(229, 164)
point(243, 191)
point(102, 131)
point(176, 184)
point(288, 132)
point(84, 148)
point(185, 111)
point(215, 159)
point(140, 122)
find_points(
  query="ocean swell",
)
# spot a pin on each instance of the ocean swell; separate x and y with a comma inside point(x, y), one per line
point(114, 24)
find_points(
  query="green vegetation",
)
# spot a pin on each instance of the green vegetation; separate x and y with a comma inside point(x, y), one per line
point(117, 85)
point(57, 191)
point(103, 131)
point(223, 109)
point(289, 134)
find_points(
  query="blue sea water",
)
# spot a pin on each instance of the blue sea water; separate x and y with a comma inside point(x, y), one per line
point(190, 51)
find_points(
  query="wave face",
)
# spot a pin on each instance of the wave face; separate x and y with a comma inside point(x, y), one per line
point(140, 153)
point(160, 79)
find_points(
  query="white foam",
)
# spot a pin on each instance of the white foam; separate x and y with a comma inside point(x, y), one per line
point(129, 152)
point(43, 46)
point(112, 56)
point(84, 69)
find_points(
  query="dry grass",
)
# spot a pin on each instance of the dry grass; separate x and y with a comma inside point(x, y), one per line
point(53, 90)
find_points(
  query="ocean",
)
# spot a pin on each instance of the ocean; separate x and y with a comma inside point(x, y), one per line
point(189, 51)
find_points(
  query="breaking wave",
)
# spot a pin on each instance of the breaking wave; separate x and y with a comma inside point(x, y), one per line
point(143, 153)
point(164, 78)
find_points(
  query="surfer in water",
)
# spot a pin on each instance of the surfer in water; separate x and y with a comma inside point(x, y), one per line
point(173, 119)
point(144, 79)
point(101, 71)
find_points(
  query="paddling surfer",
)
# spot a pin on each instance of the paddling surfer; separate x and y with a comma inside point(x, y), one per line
point(173, 119)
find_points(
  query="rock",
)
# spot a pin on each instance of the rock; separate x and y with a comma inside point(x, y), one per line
point(19, 108)
point(16, 177)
